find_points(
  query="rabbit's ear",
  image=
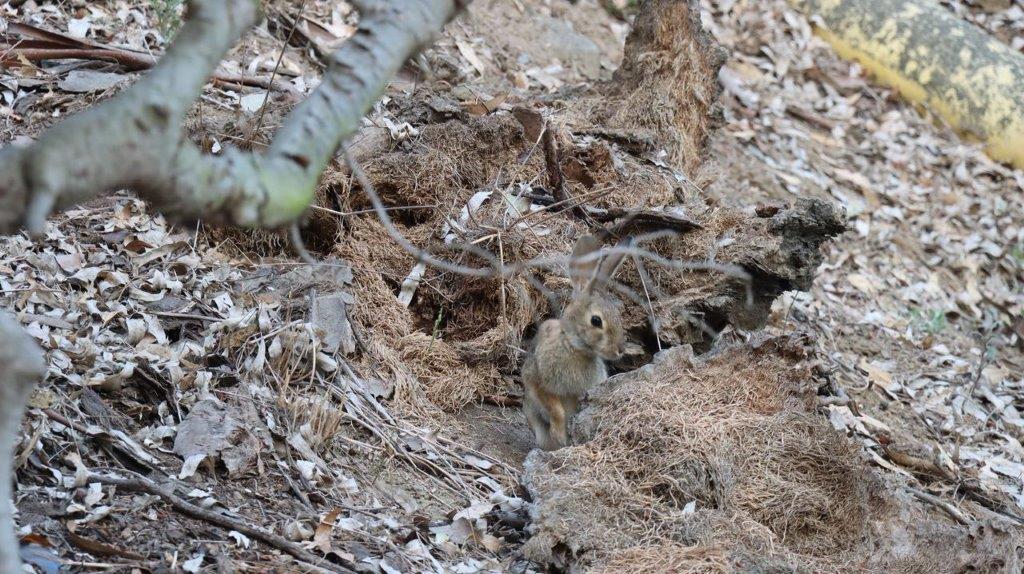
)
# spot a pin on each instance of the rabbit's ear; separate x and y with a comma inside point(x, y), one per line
point(582, 273)
point(610, 265)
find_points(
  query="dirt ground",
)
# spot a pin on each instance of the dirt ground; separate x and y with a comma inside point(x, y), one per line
point(833, 384)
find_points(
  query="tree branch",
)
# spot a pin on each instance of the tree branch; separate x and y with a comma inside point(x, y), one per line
point(136, 140)
point(142, 127)
point(21, 366)
point(142, 484)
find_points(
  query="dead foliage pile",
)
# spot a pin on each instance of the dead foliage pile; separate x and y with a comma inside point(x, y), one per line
point(668, 82)
point(523, 177)
point(720, 464)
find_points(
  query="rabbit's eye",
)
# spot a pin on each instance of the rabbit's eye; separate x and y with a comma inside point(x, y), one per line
point(596, 321)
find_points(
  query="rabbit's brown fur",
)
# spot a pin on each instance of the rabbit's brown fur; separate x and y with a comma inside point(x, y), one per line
point(569, 352)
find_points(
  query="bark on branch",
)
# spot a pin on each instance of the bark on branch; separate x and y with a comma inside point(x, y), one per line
point(136, 140)
point(21, 365)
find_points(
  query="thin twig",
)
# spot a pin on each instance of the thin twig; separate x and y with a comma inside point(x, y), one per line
point(389, 226)
point(550, 210)
point(496, 268)
point(932, 499)
point(273, 75)
point(642, 273)
point(142, 484)
point(187, 316)
point(504, 303)
point(371, 210)
point(982, 362)
point(502, 400)
point(53, 46)
point(250, 81)
point(298, 245)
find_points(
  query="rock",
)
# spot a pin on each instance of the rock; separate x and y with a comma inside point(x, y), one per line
point(558, 39)
point(234, 435)
point(331, 317)
point(82, 81)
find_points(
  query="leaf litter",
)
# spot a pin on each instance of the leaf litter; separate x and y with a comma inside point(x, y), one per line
point(914, 311)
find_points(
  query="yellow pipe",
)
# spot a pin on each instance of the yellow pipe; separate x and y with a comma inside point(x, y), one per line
point(970, 79)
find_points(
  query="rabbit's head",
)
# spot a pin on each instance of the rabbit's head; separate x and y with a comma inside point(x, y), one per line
point(592, 320)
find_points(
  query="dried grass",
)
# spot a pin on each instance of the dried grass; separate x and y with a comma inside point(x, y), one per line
point(318, 416)
point(445, 378)
point(450, 161)
point(377, 272)
point(668, 82)
point(734, 435)
point(668, 558)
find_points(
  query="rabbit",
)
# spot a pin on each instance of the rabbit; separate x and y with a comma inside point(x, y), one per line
point(569, 352)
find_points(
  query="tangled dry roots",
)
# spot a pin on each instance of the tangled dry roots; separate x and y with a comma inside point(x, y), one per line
point(711, 465)
point(668, 81)
point(662, 98)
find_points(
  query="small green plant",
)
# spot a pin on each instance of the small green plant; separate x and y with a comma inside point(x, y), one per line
point(168, 16)
point(1017, 253)
point(437, 328)
point(932, 321)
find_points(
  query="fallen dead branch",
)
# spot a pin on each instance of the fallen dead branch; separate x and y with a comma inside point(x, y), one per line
point(115, 442)
point(142, 484)
point(34, 44)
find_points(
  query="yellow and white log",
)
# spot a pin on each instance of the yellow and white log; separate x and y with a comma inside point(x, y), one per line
point(967, 77)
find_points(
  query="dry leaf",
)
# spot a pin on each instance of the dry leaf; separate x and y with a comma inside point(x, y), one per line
point(469, 53)
point(322, 537)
